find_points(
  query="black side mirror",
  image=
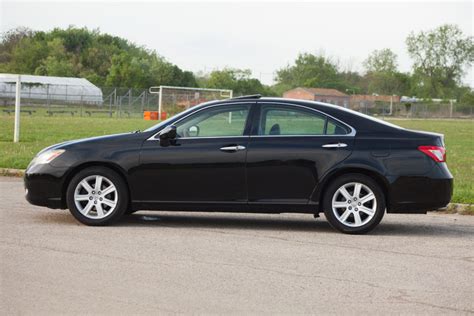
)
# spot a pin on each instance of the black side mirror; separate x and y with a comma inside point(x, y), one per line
point(168, 133)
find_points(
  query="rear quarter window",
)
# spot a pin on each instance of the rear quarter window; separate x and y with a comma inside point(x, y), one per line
point(335, 128)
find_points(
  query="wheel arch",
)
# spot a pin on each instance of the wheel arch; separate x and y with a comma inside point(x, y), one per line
point(89, 164)
point(319, 192)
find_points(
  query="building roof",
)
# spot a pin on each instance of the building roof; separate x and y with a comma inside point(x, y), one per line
point(45, 80)
point(373, 98)
point(50, 88)
point(325, 92)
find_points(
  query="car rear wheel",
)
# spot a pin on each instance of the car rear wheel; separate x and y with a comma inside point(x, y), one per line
point(354, 204)
point(97, 196)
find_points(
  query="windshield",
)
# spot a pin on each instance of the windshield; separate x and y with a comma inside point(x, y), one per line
point(172, 118)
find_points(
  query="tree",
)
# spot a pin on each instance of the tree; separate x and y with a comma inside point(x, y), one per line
point(238, 80)
point(440, 57)
point(80, 52)
point(309, 71)
point(381, 61)
point(382, 75)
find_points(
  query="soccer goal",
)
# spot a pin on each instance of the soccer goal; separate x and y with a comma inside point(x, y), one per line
point(172, 100)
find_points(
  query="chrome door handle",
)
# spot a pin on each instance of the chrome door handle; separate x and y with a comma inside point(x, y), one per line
point(338, 145)
point(233, 148)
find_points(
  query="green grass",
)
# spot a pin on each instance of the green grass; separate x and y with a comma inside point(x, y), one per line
point(38, 132)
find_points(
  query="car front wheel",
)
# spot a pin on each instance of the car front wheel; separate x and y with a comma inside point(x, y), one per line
point(354, 204)
point(97, 196)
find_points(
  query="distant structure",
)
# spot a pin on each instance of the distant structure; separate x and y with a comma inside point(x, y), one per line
point(336, 97)
point(51, 89)
point(359, 101)
point(332, 96)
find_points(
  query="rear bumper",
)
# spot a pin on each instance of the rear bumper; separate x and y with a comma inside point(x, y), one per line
point(419, 194)
point(43, 186)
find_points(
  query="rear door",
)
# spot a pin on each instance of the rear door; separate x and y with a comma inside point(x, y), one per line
point(290, 148)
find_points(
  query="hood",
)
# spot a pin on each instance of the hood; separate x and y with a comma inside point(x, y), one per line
point(105, 138)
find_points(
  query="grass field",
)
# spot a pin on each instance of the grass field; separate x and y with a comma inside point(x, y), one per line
point(38, 132)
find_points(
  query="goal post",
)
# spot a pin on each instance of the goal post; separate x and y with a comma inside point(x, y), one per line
point(16, 133)
point(173, 99)
point(10, 80)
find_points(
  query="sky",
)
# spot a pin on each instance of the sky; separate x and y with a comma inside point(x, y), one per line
point(260, 36)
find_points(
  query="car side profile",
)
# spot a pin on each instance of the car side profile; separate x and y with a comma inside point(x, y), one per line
point(249, 154)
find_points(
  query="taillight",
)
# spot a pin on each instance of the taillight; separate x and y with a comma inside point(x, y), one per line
point(437, 153)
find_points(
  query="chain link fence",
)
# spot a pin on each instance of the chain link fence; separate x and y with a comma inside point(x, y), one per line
point(70, 100)
point(428, 110)
point(115, 102)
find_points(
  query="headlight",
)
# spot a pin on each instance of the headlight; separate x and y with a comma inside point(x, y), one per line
point(47, 156)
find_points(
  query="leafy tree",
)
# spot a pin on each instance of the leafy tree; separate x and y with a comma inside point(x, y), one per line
point(382, 74)
point(467, 97)
point(309, 71)
point(440, 57)
point(80, 52)
point(238, 80)
point(10, 39)
point(53, 66)
point(381, 61)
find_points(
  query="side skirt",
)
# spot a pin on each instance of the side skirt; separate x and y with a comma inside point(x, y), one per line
point(225, 207)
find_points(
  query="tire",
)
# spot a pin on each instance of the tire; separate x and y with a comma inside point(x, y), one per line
point(353, 213)
point(94, 207)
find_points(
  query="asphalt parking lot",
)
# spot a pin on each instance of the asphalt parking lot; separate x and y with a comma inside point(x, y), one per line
point(164, 262)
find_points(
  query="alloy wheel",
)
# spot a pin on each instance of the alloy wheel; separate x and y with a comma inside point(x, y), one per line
point(354, 204)
point(96, 197)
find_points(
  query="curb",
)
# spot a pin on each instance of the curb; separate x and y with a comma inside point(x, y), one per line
point(452, 208)
point(8, 172)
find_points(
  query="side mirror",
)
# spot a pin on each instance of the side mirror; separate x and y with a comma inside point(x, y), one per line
point(168, 133)
point(193, 131)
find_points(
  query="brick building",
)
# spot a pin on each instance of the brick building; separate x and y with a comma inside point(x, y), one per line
point(332, 96)
point(358, 101)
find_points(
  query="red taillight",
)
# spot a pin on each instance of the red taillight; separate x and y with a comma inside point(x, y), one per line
point(436, 152)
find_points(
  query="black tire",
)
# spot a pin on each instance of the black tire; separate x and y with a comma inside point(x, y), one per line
point(354, 178)
point(121, 205)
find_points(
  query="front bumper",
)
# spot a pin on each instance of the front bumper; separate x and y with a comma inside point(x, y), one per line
point(44, 186)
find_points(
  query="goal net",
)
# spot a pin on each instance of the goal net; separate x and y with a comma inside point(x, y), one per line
point(172, 100)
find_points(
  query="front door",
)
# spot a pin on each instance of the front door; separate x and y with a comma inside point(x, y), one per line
point(290, 148)
point(204, 164)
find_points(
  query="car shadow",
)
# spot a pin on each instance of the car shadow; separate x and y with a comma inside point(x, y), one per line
point(219, 221)
point(244, 222)
point(423, 229)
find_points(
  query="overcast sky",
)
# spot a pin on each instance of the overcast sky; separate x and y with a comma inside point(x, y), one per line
point(261, 36)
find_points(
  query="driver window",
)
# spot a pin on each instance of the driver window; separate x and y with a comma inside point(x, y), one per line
point(214, 122)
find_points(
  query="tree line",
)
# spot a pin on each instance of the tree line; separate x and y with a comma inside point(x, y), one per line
point(440, 57)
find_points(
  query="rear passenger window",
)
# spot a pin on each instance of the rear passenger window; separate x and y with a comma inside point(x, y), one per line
point(288, 120)
point(291, 121)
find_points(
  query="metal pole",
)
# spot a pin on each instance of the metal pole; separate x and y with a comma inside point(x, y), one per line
point(391, 105)
point(159, 103)
point(16, 134)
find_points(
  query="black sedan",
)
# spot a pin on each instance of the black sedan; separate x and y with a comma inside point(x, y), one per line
point(249, 154)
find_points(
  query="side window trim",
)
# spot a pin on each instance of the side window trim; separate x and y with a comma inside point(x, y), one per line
point(256, 121)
